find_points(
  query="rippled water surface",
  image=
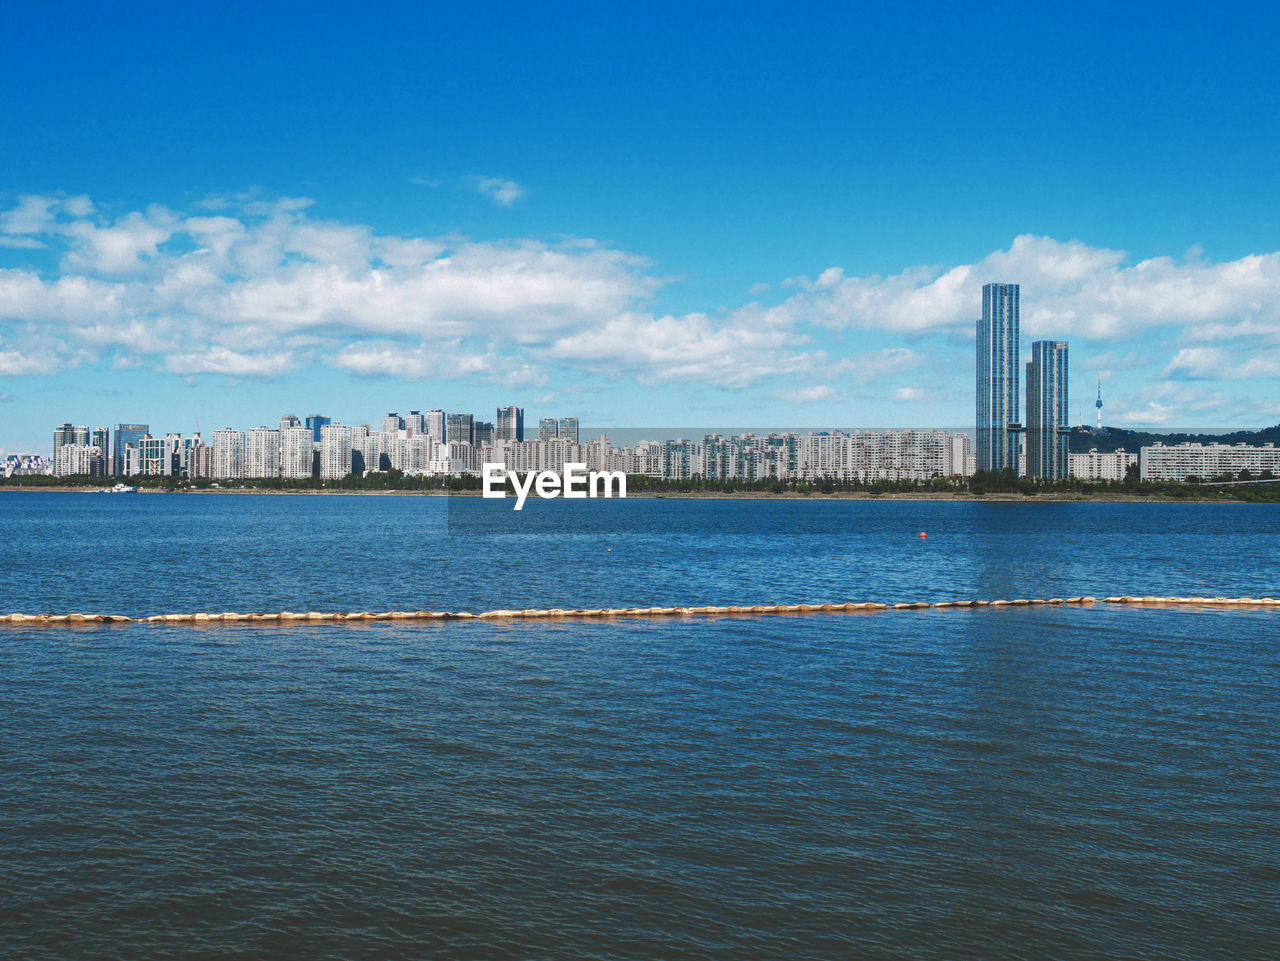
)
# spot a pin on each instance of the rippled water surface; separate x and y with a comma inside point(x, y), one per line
point(1035, 783)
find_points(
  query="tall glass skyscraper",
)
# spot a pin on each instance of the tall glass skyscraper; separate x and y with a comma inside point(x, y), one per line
point(123, 434)
point(460, 428)
point(998, 364)
point(1047, 410)
point(315, 422)
point(510, 424)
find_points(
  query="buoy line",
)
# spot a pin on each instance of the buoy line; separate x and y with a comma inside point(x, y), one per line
point(310, 617)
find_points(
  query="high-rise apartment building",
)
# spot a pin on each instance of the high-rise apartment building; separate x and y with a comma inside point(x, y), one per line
point(77, 460)
point(548, 428)
point(73, 454)
point(101, 439)
point(460, 429)
point(998, 362)
point(392, 423)
point(484, 433)
point(68, 434)
point(1047, 424)
point(315, 422)
point(289, 420)
point(297, 452)
point(510, 424)
point(228, 454)
point(122, 435)
point(262, 452)
point(337, 451)
point(568, 429)
point(415, 423)
point(436, 425)
point(199, 459)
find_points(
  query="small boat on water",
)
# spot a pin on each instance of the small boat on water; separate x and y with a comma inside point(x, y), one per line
point(118, 489)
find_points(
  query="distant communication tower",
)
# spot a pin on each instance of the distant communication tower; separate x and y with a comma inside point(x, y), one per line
point(1099, 403)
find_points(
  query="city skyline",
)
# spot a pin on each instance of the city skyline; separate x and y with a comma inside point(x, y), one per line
point(772, 231)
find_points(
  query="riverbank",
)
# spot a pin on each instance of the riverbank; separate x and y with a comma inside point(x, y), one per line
point(1056, 497)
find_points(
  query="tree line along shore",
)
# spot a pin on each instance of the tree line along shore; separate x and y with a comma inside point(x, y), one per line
point(981, 486)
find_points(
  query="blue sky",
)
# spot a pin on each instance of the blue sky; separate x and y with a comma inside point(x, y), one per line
point(747, 214)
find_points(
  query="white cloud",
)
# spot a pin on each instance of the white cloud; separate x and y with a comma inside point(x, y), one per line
point(124, 247)
point(653, 350)
point(882, 363)
point(253, 286)
point(221, 360)
point(809, 395)
point(16, 364)
point(1216, 363)
point(501, 191)
point(20, 243)
point(1170, 402)
point(1067, 289)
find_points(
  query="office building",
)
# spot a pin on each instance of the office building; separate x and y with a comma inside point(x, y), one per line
point(315, 422)
point(485, 434)
point(101, 439)
point(568, 429)
point(1047, 425)
point(998, 362)
point(460, 429)
point(122, 435)
point(159, 456)
point(548, 428)
point(510, 424)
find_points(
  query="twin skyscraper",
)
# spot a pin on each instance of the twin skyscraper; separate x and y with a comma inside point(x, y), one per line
point(999, 427)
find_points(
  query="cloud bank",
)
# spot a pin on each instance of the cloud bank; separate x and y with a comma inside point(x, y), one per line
point(245, 287)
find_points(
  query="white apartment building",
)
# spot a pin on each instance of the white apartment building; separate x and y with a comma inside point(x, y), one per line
point(337, 451)
point(378, 448)
point(1205, 461)
point(436, 425)
point(962, 456)
point(297, 447)
point(872, 455)
point(228, 454)
point(78, 460)
point(1102, 466)
point(455, 457)
point(531, 455)
point(413, 452)
point(262, 452)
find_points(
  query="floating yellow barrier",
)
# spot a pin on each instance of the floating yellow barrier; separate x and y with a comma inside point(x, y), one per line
point(601, 613)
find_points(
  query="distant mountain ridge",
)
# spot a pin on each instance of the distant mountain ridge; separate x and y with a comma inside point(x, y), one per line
point(1109, 439)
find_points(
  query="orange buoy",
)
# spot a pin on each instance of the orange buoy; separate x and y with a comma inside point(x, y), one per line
point(923, 535)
